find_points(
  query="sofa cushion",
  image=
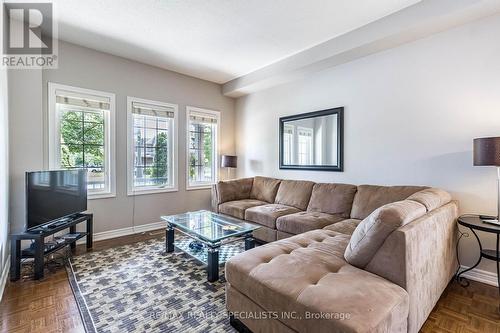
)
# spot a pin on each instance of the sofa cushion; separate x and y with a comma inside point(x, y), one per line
point(240, 305)
point(264, 189)
point(265, 234)
point(231, 190)
point(431, 198)
point(267, 214)
point(307, 273)
point(237, 208)
point(295, 193)
point(332, 199)
point(344, 227)
point(327, 244)
point(305, 221)
point(370, 197)
point(372, 231)
point(283, 235)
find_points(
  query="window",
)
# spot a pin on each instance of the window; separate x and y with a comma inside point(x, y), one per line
point(305, 150)
point(81, 135)
point(288, 144)
point(152, 146)
point(202, 155)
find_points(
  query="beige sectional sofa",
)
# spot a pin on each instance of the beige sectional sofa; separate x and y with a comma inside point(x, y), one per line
point(339, 258)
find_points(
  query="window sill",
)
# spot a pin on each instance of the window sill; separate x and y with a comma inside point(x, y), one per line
point(100, 196)
point(198, 187)
point(151, 191)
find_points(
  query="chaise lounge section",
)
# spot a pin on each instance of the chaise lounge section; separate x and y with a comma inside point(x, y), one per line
point(348, 258)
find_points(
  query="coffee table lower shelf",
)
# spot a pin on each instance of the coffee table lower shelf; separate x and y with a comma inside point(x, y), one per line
point(212, 255)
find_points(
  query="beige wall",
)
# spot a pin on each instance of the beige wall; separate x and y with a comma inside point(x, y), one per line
point(25, 137)
point(410, 116)
point(87, 68)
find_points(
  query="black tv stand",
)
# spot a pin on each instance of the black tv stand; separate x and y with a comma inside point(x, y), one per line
point(39, 249)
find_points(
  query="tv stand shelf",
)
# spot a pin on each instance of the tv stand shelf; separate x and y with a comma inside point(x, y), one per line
point(39, 249)
point(30, 252)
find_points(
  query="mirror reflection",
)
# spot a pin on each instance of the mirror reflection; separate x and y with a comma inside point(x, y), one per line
point(311, 141)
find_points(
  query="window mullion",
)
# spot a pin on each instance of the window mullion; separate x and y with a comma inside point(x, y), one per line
point(83, 141)
point(155, 157)
point(200, 155)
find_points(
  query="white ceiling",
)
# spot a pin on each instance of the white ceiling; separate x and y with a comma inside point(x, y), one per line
point(216, 40)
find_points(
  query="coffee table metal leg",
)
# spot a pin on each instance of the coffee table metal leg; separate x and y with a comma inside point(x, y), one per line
point(213, 264)
point(249, 242)
point(169, 239)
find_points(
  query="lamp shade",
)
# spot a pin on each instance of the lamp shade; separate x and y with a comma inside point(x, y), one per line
point(487, 151)
point(229, 161)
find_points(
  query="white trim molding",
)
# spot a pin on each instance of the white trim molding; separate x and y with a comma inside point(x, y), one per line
point(172, 147)
point(99, 236)
point(5, 274)
point(214, 114)
point(480, 275)
point(109, 140)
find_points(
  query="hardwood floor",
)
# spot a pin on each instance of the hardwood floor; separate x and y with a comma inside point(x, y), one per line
point(49, 306)
point(471, 309)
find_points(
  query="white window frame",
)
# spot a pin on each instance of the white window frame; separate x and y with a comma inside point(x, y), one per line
point(109, 136)
point(173, 147)
point(216, 115)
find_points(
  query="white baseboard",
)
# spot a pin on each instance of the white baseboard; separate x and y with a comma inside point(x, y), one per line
point(125, 231)
point(480, 275)
point(4, 276)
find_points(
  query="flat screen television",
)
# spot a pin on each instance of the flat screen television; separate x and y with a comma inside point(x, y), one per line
point(52, 195)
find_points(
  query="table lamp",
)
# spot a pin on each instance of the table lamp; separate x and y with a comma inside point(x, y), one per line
point(487, 153)
point(229, 161)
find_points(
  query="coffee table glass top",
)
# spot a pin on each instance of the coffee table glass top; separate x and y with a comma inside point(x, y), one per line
point(209, 226)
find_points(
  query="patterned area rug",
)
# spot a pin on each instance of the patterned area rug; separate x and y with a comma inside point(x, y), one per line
point(141, 288)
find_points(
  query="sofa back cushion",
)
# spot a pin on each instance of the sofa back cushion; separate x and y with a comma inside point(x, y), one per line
point(370, 197)
point(265, 188)
point(371, 233)
point(231, 190)
point(294, 193)
point(431, 198)
point(332, 199)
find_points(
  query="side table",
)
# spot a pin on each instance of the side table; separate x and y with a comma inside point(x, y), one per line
point(474, 223)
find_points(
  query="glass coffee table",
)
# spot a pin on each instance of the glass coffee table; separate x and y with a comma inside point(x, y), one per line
point(208, 231)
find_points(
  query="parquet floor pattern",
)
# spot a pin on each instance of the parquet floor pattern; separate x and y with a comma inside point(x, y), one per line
point(472, 309)
point(49, 306)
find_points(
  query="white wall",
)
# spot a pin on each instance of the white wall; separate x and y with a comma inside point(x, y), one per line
point(4, 172)
point(4, 176)
point(410, 116)
point(87, 68)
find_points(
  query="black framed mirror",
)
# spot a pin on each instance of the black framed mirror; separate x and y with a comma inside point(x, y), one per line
point(312, 141)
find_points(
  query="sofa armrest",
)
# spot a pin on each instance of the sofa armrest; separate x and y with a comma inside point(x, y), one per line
point(230, 190)
point(214, 202)
point(421, 258)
